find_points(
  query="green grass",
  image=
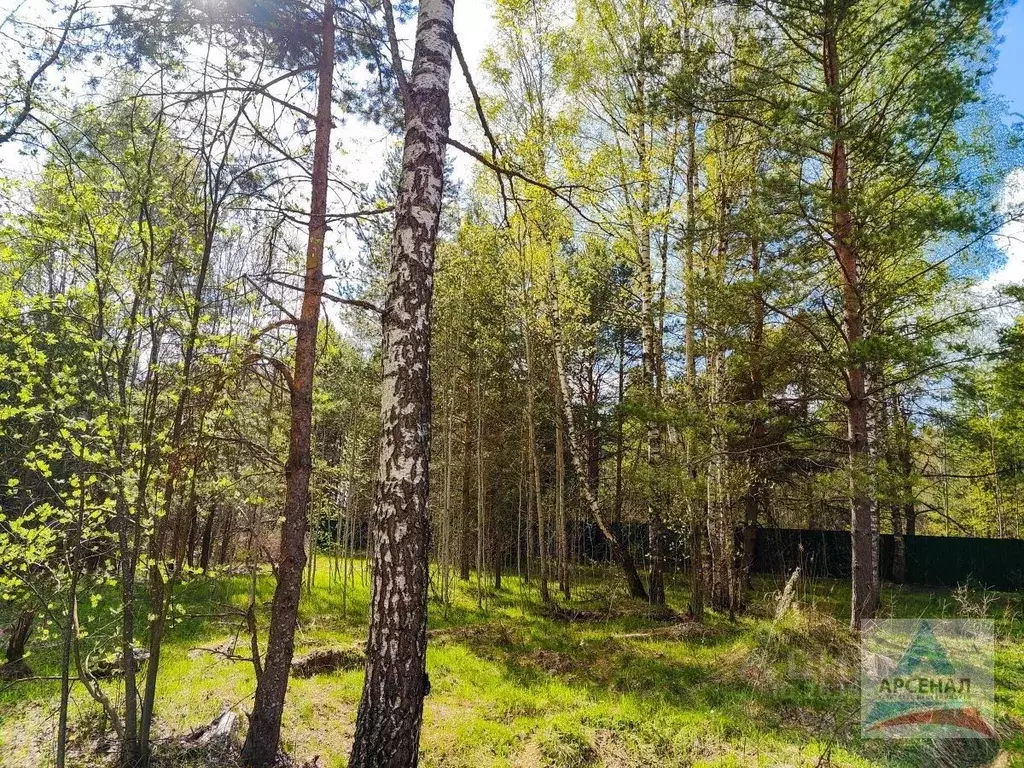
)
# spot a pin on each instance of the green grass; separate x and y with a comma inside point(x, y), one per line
point(514, 686)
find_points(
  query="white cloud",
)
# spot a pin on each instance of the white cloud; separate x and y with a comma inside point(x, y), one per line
point(1010, 237)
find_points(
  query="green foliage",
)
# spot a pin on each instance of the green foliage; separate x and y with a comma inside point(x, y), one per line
point(55, 437)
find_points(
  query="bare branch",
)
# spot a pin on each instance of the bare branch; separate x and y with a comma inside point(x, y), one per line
point(331, 297)
point(26, 107)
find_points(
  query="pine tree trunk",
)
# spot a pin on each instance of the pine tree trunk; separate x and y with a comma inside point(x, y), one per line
point(20, 631)
point(262, 741)
point(864, 597)
point(754, 500)
point(391, 708)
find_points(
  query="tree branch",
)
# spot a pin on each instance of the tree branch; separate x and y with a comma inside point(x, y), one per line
point(396, 54)
point(26, 108)
point(330, 296)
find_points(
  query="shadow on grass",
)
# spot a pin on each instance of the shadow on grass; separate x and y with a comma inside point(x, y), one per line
point(748, 681)
point(792, 683)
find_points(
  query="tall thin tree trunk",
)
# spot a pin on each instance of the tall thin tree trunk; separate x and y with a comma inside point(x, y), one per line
point(652, 366)
point(902, 463)
point(754, 500)
point(192, 528)
point(69, 638)
point(262, 741)
point(593, 405)
point(561, 538)
point(620, 423)
point(720, 528)
point(446, 555)
point(497, 532)
point(519, 517)
point(530, 505)
point(466, 521)
point(864, 596)
point(1000, 528)
point(542, 548)
point(695, 506)
point(391, 708)
point(345, 525)
point(531, 440)
point(161, 588)
point(720, 533)
point(481, 532)
point(128, 549)
point(620, 552)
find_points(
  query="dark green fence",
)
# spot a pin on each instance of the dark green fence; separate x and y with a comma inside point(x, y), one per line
point(931, 560)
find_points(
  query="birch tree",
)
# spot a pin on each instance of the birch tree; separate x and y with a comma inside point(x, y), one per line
point(391, 707)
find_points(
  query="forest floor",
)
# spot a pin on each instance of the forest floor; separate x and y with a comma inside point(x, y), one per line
point(596, 681)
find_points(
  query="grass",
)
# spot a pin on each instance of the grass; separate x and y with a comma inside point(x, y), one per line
point(516, 685)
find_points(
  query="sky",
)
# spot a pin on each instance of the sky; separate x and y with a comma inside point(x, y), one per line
point(1008, 78)
point(1008, 81)
point(363, 146)
point(474, 26)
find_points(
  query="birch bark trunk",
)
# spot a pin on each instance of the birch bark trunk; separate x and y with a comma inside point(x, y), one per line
point(652, 365)
point(391, 708)
point(620, 552)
